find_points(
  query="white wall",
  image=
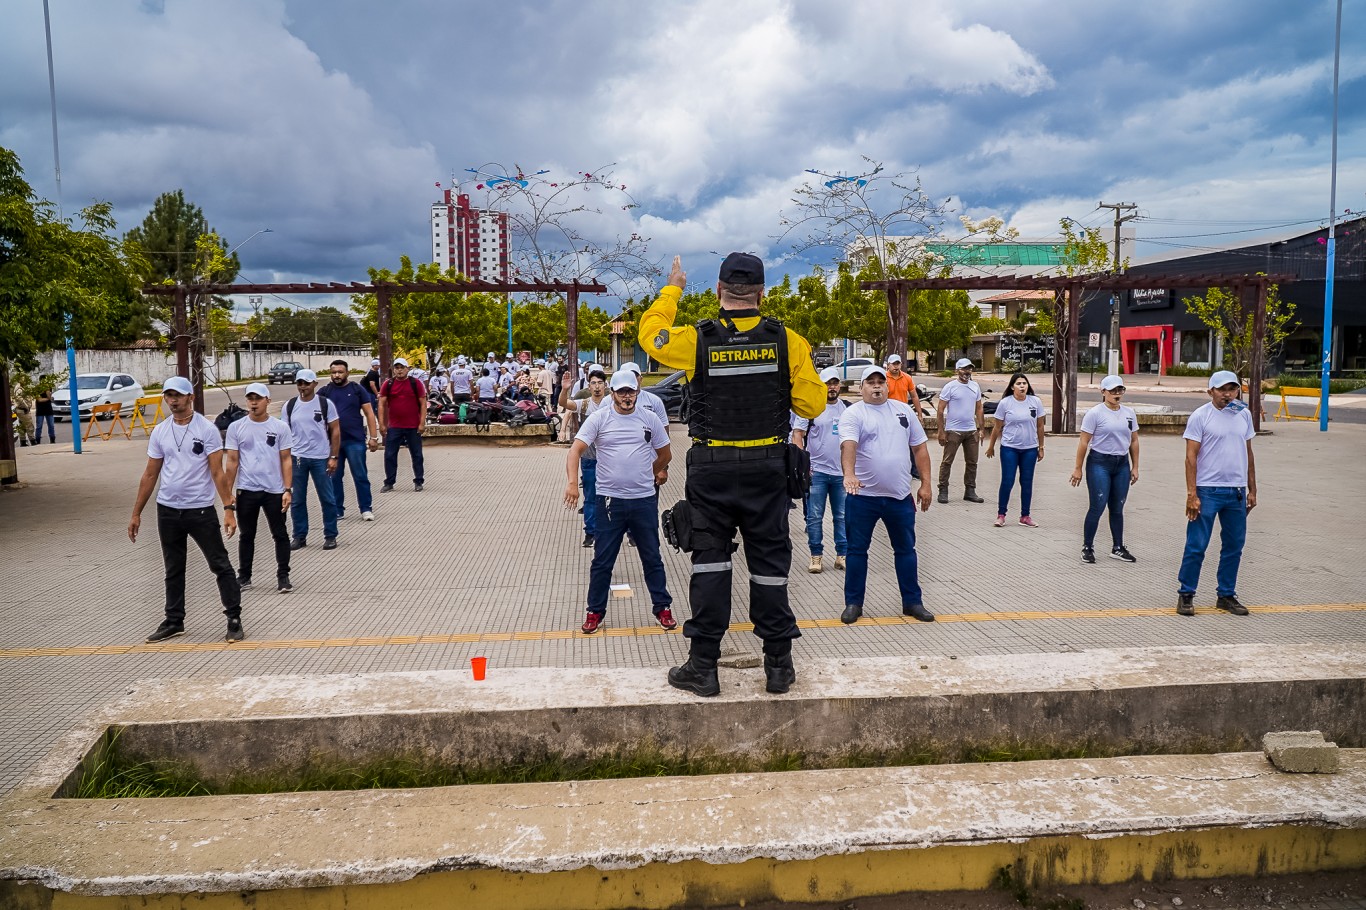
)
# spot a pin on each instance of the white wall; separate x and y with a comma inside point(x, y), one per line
point(154, 366)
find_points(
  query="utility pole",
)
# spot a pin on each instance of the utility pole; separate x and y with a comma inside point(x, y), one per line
point(1119, 209)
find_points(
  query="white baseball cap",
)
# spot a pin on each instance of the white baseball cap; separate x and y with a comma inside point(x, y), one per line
point(491, 354)
point(963, 364)
point(258, 388)
point(830, 373)
point(1111, 382)
point(625, 379)
point(628, 365)
point(305, 376)
point(873, 370)
point(375, 362)
point(893, 358)
point(177, 384)
point(1222, 378)
point(400, 362)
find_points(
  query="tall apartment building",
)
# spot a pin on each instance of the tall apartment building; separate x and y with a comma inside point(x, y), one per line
point(473, 241)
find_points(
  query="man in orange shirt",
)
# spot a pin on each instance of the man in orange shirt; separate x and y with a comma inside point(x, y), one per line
point(901, 386)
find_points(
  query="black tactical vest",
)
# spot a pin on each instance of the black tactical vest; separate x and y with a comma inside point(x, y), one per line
point(740, 388)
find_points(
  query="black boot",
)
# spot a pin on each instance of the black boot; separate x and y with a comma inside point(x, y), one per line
point(971, 496)
point(697, 676)
point(943, 494)
point(779, 673)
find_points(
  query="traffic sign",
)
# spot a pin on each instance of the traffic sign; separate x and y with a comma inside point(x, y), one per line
point(1095, 339)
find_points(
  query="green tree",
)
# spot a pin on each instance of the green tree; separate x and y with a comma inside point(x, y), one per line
point(324, 325)
point(51, 268)
point(169, 238)
point(441, 324)
point(1232, 322)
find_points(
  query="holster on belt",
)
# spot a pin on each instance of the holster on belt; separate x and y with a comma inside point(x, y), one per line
point(798, 472)
point(678, 526)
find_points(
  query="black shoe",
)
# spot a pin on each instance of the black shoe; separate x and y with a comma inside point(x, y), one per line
point(1121, 553)
point(387, 488)
point(944, 495)
point(779, 674)
point(235, 632)
point(1185, 605)
point(630, 541)
point(166, 630)
point(283, 585)
point(1232, 605)
point(971, 496)
point(298, 543)
point(329, 543)
point(851, 614)
point(417, 486)
point(587, 541)
point(697, 676)
point(243, 583)
point(919, 612)
point(1088, 555)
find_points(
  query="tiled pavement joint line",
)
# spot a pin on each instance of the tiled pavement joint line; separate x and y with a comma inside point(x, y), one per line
point(632, 632)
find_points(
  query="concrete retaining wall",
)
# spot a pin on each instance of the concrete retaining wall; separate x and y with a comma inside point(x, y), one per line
point(153, 366)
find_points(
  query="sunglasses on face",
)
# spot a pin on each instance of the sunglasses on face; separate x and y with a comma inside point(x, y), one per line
point(1117, 390)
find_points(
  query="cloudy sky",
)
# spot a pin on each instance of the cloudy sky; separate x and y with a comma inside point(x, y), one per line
point(330, 121)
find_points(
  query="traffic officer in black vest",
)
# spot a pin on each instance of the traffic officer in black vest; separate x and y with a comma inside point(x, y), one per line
point(745, 373)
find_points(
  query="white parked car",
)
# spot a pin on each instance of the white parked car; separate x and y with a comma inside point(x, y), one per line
point(97, 388)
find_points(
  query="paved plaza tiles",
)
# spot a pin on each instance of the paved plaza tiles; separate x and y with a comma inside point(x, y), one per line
point(487, 561)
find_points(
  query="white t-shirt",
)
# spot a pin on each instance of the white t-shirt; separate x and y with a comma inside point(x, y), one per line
point(488, 387)
point(626, 445)
point(186, 482)
point(960, 414)
point(1111, 431)
point(1223, 434)
point(439, 383)
point(884, 434)
point(1021, 419)
point(258, 446)
point(653, 403)
point(306, 427)
point(461, 380)
point(823, 438)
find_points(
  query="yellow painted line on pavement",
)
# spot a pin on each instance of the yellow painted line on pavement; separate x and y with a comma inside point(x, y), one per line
point(181, 646)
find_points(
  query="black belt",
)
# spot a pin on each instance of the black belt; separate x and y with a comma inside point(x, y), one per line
point(704, 454)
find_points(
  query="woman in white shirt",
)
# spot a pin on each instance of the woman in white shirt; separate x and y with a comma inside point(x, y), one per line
point(1018, 426)
point(1110, 432)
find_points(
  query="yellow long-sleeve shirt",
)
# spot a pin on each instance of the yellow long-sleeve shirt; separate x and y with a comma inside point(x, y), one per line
point(676, 346)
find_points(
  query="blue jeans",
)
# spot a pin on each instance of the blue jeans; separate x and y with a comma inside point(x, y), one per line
point(304, 468)
point(1012, 460)
point(1107, 483)
point(823, 485)
point(1230, 504)
point(588, 468)
point(353, 457)
point(395, 439)
point(51, 422)
point(861, 513)
point(615, 517)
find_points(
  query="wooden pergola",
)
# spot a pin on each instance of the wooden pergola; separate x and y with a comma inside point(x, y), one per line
point(1068, 291)
point(190, 351)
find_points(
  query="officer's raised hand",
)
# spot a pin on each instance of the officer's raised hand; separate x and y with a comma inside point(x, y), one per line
point(677, 277)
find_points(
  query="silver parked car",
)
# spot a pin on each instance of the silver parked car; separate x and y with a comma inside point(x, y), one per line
point(97, 388)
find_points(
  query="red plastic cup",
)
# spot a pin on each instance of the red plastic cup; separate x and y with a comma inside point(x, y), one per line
point(479, 665)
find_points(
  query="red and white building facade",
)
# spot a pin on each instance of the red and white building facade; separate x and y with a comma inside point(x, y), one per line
point(472, 241)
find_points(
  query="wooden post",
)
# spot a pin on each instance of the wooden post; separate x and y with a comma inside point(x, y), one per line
point(9, 461)
point(571, 326)
point(180, 326)
point(1073, 329)
point(201, 318)
point(896, 321)
point(386, 335)
point(1059, 357)
point(1256, 356)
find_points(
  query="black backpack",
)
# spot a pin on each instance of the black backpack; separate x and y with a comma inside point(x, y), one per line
point(289, 411)
point(231, 414)
point(480, 417)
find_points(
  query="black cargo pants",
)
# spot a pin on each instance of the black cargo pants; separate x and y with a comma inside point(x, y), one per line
point(742, 489)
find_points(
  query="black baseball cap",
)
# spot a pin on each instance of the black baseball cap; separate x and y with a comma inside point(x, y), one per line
point(742, 268)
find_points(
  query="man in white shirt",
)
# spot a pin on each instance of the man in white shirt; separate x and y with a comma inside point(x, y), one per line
point(582, 409)
point(1221, 480)
point(439, 382)
point(313, 424)
point(185, 454)
point(462, 383)
point(647, 399)
point(821, 439)
point(633, 460)
point(878, 439)
point(260, 470)
point(960, 418)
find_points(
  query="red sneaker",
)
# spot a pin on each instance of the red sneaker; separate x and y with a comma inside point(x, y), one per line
point(666, 618)
point(591, 623)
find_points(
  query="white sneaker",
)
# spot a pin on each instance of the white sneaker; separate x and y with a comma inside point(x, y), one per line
point(367, 516)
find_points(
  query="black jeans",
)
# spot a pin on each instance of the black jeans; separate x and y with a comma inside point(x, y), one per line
point(733, 489)
point(402, 438)
point(250, 504)
point(176, 527)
